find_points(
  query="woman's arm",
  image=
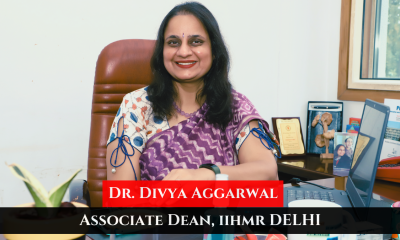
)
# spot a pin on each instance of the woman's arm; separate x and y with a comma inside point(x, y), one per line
point(125, 171)
point(256, 163)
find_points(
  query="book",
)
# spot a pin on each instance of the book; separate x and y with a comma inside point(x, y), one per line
point(352, 129)
point(355, 121)
point(391, 142)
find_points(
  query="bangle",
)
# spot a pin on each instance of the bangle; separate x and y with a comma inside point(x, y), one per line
point(212, 167)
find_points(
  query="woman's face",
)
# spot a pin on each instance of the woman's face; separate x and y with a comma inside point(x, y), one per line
point(349, 143)
point(341, 151)
point(187, 48)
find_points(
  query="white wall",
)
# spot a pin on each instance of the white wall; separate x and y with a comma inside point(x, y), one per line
point(284, 53)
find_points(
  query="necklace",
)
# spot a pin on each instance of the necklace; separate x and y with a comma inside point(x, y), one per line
point(188, 115)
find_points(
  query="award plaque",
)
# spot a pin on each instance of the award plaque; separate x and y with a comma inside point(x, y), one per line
point(289, 134)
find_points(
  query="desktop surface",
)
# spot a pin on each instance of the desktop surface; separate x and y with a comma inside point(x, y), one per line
point(311, 167)
point(335, 182)
point(310, 163)
point(383, 191)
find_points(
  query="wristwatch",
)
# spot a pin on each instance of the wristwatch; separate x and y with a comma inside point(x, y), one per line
point(212, 167)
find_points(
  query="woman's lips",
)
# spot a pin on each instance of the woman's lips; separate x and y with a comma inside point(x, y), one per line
point(185, 64)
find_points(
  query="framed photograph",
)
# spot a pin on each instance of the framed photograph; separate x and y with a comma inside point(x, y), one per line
point(343, 153)
point(289, 134)
point(317, 110)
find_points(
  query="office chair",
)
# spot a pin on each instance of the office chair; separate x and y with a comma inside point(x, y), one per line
point(122, 67)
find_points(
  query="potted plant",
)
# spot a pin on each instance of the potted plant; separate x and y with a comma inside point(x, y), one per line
point(47, 211)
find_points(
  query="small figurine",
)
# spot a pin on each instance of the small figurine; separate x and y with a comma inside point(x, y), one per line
point(323, 139)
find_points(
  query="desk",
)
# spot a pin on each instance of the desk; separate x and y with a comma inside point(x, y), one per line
point(381, 189)
point(306, 168)
point(310, 167)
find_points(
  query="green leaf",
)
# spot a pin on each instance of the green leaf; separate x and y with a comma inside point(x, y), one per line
point(38, 192)
point(57, 193)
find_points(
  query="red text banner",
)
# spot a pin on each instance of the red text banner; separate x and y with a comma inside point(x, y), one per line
point(192, 194)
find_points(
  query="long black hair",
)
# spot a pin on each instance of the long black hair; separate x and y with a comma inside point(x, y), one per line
point(216, 89)
point(335, 154)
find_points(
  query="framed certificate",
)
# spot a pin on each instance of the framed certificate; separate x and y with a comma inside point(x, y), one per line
point(289, 134)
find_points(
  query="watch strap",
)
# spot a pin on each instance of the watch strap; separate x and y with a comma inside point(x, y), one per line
point(212, 167)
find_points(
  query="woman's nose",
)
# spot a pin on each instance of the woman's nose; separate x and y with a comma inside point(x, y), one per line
point(184, 50)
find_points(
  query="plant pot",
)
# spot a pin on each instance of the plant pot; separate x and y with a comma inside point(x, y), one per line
point(14, 223)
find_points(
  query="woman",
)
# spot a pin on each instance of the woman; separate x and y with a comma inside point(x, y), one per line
point(189, 115)
point(349, 150)
point(340, 159)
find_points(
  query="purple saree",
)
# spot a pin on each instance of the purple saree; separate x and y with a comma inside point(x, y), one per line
point(194, 142)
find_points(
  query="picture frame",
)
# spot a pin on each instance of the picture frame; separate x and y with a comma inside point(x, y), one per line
point(344, 146)
point(315, 108)
point(299, 136)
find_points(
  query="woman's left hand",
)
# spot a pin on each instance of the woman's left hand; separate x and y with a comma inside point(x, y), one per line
point(191, 174)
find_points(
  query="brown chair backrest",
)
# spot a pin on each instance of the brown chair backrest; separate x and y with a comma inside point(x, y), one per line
point(122, 67)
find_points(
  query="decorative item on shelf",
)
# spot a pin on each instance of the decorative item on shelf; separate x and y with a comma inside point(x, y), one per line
point(332, 111)
point(47, 207)
point(289, 135)
point(322, 140)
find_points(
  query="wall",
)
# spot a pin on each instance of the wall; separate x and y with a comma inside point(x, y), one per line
point(284, 53)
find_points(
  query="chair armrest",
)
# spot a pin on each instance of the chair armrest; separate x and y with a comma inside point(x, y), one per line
point(79, 191)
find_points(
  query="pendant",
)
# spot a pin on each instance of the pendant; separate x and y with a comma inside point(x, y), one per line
point(114, 170)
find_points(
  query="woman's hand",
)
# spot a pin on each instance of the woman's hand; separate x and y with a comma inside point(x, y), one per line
point(191, 174)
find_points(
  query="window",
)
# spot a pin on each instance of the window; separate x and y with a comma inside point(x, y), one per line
point(381, 40)
point(369, 57)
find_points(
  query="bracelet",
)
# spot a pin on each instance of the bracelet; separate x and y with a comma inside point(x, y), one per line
point(211, 167)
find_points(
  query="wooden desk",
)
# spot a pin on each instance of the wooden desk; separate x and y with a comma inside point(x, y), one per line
point(310, 167)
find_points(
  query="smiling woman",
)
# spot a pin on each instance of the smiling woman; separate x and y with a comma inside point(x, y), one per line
point(187, 58)
point(189, 124)
point(341, 160)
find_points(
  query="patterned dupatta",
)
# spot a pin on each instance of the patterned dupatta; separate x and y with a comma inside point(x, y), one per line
point(193, 142)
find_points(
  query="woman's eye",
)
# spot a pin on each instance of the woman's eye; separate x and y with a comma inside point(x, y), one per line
point(197, 42)
point(173, 43)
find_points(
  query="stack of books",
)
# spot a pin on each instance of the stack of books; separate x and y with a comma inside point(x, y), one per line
point(354, 125)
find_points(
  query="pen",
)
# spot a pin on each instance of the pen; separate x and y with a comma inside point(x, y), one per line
point(325, 107)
